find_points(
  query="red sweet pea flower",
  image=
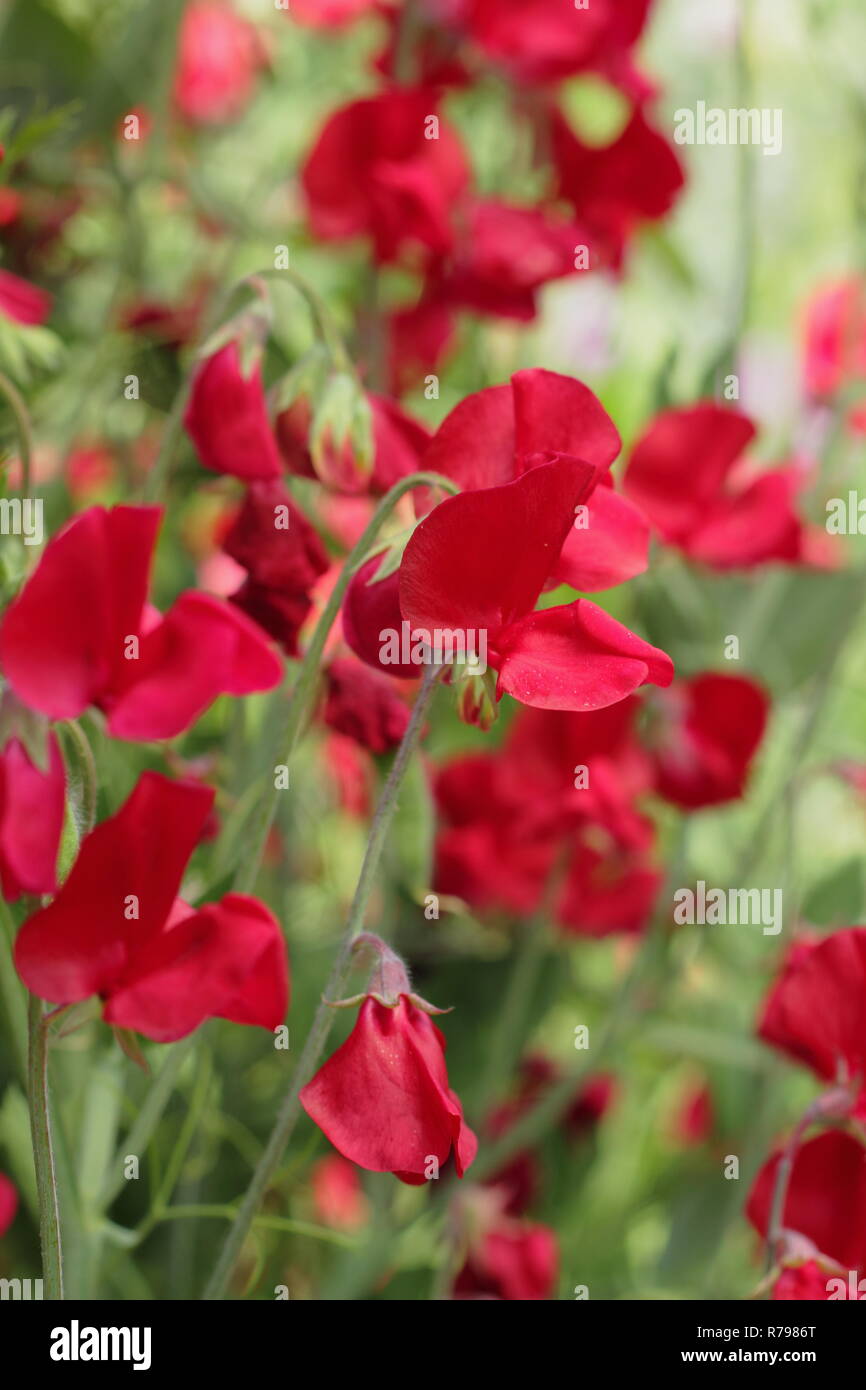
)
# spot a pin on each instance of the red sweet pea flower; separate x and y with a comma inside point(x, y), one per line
point(703, 736)
point(283, 556)
point(813, 1281)
point(117, 928)
point(398, 444)
point(338, 1197)
point(614, 188)
point(825, 1202)
point(543, 41)
point(835, 348)
point(498, 434)
point(32, 801)
point(364, 705)
point(608, 889)
point(582, 768)
point(512, 1260)
point(227, 418)
point(503, 257)
point(383, 1097)
point(218, 59)
point(479, 562)
point(814, 1013)
point(22, 302)
point(687, 475)
point(81, 633)
point(499, 840)
point(402, 186)
point(8, 1203)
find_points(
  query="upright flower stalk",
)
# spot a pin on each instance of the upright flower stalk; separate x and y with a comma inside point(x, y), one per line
point(43, 1151)
point(290, 1109)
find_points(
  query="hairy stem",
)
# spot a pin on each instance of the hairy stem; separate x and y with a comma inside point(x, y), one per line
point(304, 690)
point(290, 1109)
point(43, 1152)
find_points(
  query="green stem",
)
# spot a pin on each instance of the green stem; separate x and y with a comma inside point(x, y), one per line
point(304, 690)
point(16, 404)
point(149, 1116)
point(43, 1153)
point(290, 1109)
point(12, 995)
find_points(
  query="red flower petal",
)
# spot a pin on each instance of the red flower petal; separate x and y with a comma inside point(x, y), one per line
point(82, 943)
point(612, 548)
point(22, 302)
point(815, 1013)
point(31, 819)
point(576, 657)
point(226, 961)
point(826, 1199)
point(383, 1098)
point(556, 414)
point(202, 648)
point(480, 560)
point(227, 418)
point(63, 637)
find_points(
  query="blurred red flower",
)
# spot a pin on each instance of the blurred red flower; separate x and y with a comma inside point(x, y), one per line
point(405, 174)
point(702, 738)
point(227, 417)
point(687, 474)
point(219, 55)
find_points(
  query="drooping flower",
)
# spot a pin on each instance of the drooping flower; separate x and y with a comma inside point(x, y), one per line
point(117, 928)
point(399, 442)
point(824, 1215)
point(688, 475)
point(32, 800)
point(403, 182)
point(81, 633)
point(479, 562)
point(383, 1097)
point(815, 1012)
point(219, 56)
point(227, 417)
point(703, 736)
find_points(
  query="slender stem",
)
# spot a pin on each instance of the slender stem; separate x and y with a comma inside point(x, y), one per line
point(22, 424)
point(43, 1153)
point(149, 1116)
point(12, 994)
point(290, 1109)
point(304, 690)
point(84, 764)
